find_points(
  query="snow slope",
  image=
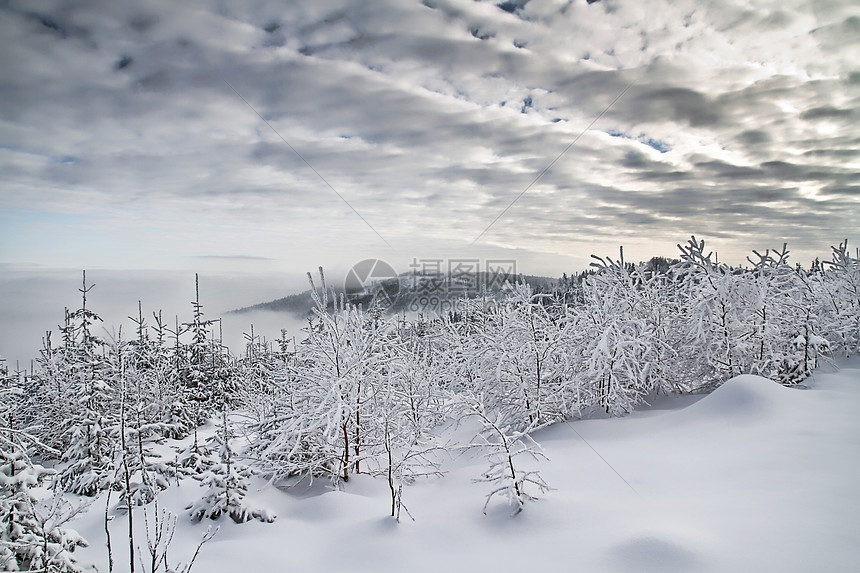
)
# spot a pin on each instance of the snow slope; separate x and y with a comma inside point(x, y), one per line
point(754, 477)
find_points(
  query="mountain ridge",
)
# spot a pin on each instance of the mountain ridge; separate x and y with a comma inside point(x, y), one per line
point(409, 291)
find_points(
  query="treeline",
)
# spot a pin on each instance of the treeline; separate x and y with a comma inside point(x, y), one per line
point(363, 392)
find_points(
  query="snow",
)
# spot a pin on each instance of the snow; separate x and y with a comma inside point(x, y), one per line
point(753, 477)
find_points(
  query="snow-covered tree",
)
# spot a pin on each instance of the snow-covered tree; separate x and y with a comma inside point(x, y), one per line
point(153, 377)
point(503, 446)
point(467, 345)
point(148, 473)
point(839, 285)
point(716, 315)
point(89, 454)
point(322, 423)
point(226, 484)
point(621, 337)
point(784, 340)
point(32, 537)
point(260, 370)
point(408, 407)
point(48, 403)
point(532, 384)
point(199, 375)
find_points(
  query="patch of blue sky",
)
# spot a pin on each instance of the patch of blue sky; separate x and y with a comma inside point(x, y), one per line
point(657, 144)
point(660, 146)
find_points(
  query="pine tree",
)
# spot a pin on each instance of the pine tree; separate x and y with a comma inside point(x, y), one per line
point(181, 413)
point(89, 454)
point(32, 536)
point(198, 376)
point(148, 474)
point(226, 484)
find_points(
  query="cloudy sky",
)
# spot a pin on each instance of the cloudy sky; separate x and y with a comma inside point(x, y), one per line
point(260, 136)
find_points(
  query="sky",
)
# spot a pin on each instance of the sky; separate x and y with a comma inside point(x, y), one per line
point(262, 137)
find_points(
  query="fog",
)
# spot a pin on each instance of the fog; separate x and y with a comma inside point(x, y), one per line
point(33, 301)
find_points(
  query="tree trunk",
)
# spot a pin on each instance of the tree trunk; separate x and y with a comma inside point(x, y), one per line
point(345, 453)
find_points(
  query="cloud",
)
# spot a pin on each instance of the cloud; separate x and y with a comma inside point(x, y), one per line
point(682, 105)
point(429, 119)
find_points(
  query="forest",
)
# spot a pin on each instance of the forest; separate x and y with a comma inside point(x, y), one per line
point(100, 414)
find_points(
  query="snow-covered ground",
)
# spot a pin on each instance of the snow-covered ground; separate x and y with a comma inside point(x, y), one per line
point(753, 477)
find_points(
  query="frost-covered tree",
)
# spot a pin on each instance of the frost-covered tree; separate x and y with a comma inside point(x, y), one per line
point(147, 472)
point(621, 337)
point(408, 407)
point(152, 375)
point(718, 307)
point(181, 413)
point(533, 377)
point(503, 446)
point(48, 403)
point(88, 456)
point(784, 340)
point(260, 370)
point(323, 422)
point(199, 375)
point(467, 345)
point(32, 537)
point(839, 285)
point(226, 484)
point(88, 459)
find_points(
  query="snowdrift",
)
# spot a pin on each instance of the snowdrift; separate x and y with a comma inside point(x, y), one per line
point(744, 397)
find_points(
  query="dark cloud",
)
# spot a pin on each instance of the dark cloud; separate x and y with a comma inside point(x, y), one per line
point(847, 190)
point(721, 169)
point(826, 112)
point(636, 160)
point(48, 23)
point(839, 34)
point(834, 153)
point(667, 176)
point(777, 20)
point(143, 22)
point(785, 171)
point(675, 103)
point(754, 137)
point(512, 6)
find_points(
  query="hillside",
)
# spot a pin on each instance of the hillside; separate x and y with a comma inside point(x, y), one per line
point(407, 293)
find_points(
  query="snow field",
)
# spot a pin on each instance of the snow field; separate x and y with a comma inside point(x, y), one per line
point(753, 477)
